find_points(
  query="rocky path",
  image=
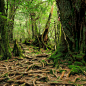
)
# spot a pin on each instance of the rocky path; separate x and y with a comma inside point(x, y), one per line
point(36, 70)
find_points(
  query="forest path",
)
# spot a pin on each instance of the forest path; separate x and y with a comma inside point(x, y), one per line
point(35, 70)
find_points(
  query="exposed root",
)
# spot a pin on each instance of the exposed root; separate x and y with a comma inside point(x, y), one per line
point(34, 70)
point(68, 74)
point(62, 75)
point(55, 73)
point(18, 77)
point(31, 66)
point(34, 82)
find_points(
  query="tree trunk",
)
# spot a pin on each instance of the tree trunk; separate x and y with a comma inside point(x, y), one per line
point(11, 16)
point(5, 42)
point(0, 48)
point(45, 33)
point(72, 17)
point(11, 22)
point(17, 50)
point(32, 18)
point(55, 35)
point(34, 26)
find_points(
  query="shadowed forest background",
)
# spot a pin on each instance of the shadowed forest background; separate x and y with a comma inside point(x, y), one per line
point(41, 34)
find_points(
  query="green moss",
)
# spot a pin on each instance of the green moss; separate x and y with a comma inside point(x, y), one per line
point(44, 62)
point(69, 62)
point(83, 79)
point(5, 75)
point(78, 57)
point(51, 72)
point(6, 60)
point(17, 49)
point(70, 82)
point(78, 79)
point(59, 54)
point(60, 71)
point(15, 59)
point(56, 58)
point(78, 63)
point(56, 81)
point(75, 69)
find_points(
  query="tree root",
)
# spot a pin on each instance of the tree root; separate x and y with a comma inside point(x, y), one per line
point(62, 75)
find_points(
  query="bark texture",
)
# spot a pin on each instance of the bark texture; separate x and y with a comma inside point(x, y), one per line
point(17, 50)
point(4, 36)
point(73, 21)
point(72, 14)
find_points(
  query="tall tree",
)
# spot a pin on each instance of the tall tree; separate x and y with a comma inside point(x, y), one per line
point(73, 21)
point(34, 26)
point(45, 33)
point(5, 42)
point(13, 6)
point(72, 15)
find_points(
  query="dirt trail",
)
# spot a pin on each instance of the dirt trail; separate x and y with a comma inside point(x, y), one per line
point(35, 70)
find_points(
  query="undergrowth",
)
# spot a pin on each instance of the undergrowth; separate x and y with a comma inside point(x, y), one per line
point(73, 61)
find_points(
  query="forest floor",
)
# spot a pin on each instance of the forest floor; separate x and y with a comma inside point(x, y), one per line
point(36, 70)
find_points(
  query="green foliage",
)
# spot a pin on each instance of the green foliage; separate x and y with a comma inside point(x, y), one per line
point(69, 62)
point(60, 71)
point(78, 56)
point(17, 49)
point(41, 9)
point(0, 13)
point(75, 69)
point(57, 55)
point(3, 17)
point(83, 61)
point(70, 82)
point(51, 72)
point(45, 63)
point(15, 59)
point(6, 74)
point(78, 63)
point(78, 5)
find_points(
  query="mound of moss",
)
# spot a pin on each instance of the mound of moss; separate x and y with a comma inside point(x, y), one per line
point(75, 69)
point(78, 63)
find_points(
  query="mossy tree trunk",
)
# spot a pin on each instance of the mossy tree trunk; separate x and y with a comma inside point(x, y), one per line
point(34, 26)
point(71, 14)
point(33, 32)
point(84, 5)
point(17, 50)
point(41, 40)
point(12, 9)
point(55, 35)
point(73, 21)
point(0, 48)
point(4, 36)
